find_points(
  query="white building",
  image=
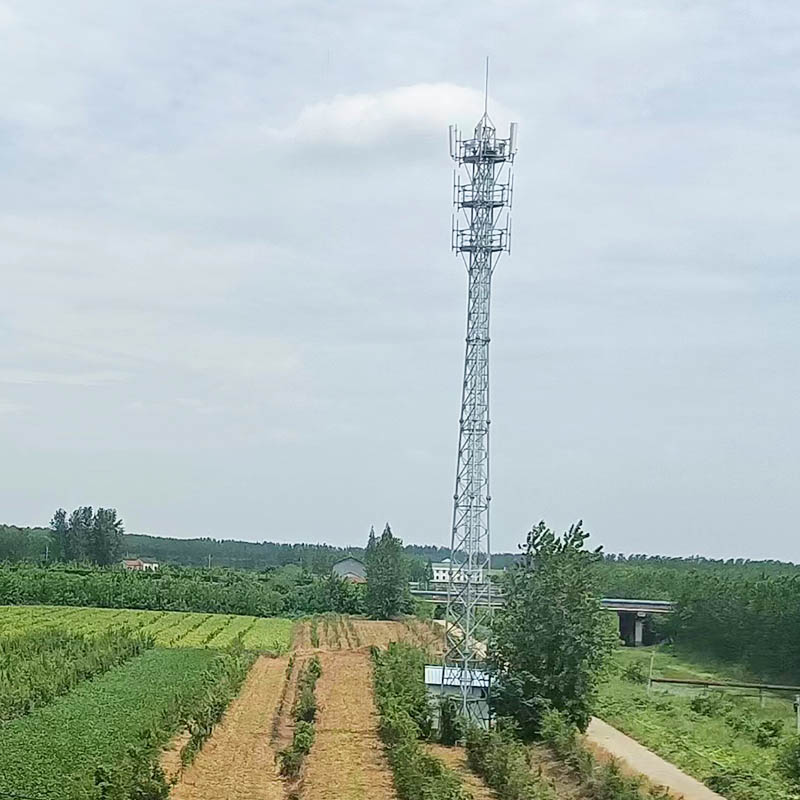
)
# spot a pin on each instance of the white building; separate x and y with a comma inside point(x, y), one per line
point(442, 570)
point(140, 565)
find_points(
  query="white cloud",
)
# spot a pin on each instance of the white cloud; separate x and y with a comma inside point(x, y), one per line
point(364, 119)
point(26, 377)
point(7, 16)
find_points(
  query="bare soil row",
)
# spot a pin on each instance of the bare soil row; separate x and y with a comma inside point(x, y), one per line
point(346, 761)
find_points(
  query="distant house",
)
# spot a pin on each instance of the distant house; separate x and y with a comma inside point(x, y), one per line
point(139, 565)
point(350, 569)
point(442, 570)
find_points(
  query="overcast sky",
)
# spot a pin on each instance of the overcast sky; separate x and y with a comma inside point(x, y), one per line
point(228, 305)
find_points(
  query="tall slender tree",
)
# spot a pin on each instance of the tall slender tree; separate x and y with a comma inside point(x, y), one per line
point(105, 537)
point(59, 530)
point(77, 538)
point(387, 576)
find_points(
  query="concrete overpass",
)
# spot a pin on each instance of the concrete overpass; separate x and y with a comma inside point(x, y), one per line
point(631, 613)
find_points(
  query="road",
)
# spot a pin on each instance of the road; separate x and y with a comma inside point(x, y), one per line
point(636, 758)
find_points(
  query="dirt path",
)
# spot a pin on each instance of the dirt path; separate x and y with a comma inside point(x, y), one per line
point(238, 762)
point(347, 760)
point(611, 742)
point(283, 723)
point(170, 760)
point(378, 633)
point(456, 759)
point(565, 784)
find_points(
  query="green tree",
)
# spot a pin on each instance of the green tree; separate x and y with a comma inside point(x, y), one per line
point(77, 536)
point(552, 639)
point(59, 529)
point(428, 576)
point(105, 537)
point(387, 576)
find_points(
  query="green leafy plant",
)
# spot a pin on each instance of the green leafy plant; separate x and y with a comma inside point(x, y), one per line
point(452, 726)
point(36, 666)
point(404, 720)
point(551, 641)
point(769, 732)
point(711, 704)
point(789, 759)
point(604, 781)
point(304, 712)
point(501, 760)
point(635, 672)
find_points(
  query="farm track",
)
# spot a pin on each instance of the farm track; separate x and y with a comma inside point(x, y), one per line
point(347, 760)
point(562, 780)
point(456, 759)
point(607, 742)
point(238, 761)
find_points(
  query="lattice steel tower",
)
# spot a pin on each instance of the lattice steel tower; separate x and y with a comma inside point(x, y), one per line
point(481, 232)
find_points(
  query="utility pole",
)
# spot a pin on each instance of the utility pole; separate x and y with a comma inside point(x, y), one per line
point(480, 233)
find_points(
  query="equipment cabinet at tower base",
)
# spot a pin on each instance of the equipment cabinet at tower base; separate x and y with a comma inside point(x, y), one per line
point(446, 682)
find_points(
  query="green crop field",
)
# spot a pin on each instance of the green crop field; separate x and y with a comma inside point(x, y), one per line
point(729, 740)
point(54, 751)
point(169, 628)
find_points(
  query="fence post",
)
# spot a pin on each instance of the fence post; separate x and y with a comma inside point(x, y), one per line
point(650, 676)
point(797, 710)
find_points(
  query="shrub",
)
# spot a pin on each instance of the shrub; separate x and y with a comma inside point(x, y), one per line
point(789, 759)
point(305, 706)
point(562, 738)
point(769, 732)
point(404, 719)
point(736, 782)
point(603, 781)
point(399, 672)
point(635, 672)
point(304, 712)
point(501, 760)
point(711, 704)
point(451, 724)
point(290, 762)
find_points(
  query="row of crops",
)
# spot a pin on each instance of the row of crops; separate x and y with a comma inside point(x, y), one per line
point(37, 666)
point(89, 696)
point(168, 628)
point(102, 739)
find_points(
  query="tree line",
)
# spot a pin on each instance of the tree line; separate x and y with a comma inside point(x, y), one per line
point(40, 544)
point(87, 535)
point(283, 591)
point(748, 612)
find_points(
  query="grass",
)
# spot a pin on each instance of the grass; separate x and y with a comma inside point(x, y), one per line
point(55, 751)
point(169, 628)
point(718, 738)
